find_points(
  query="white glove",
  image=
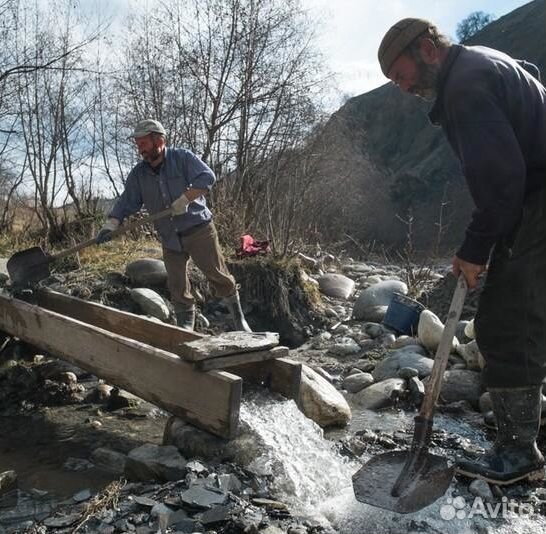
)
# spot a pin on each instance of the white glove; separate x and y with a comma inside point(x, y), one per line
point(180, 205)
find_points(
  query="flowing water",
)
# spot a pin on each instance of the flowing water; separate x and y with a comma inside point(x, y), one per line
point(315, 479)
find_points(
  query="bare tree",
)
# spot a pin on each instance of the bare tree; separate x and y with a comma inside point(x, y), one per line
point(472, 24)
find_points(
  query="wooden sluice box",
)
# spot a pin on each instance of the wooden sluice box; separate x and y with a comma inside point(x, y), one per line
point(196, 377)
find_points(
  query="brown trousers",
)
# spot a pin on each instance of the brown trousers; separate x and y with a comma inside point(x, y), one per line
point(203, 248)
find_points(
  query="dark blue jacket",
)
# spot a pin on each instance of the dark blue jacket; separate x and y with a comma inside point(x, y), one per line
point(494, 115)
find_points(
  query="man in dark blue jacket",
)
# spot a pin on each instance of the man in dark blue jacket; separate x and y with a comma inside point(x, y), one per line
point(170, 177)
point(492, 109)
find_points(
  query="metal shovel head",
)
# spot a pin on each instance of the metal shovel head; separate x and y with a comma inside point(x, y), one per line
point(374, 482)
point(28, 266)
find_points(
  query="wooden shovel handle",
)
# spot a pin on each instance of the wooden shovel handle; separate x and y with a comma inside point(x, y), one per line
point(116, 233)
point(444, 348)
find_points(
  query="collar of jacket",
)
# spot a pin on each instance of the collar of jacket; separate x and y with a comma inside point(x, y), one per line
point(435, 113)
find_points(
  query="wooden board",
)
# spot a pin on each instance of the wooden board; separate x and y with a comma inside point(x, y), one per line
point(224, 362)
point(154, 333)
point(228, 343)
point(281, 375)
point(208, 400)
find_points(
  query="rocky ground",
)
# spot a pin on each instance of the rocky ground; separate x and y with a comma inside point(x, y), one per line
point(78, 455)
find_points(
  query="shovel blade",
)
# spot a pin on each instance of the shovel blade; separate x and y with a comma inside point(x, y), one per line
point(28, 266)
point(373, 483)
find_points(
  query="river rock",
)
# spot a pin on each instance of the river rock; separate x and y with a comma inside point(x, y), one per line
point(357, 381)
point(321, 401)
point(150, 302)
point(471, 355)
point(345, 346)
point(461, 384)
point(155, 462)
point(370, 301)
point(430, 330)
point(379, 395)
point(147, 271)
point(8, 481)
point(336, 285)
point(410, 356)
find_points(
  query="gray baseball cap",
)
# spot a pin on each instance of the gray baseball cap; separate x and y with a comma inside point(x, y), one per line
point(148, 126)
point(398, 38)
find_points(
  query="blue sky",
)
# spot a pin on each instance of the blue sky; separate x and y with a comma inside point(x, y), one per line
point(352, 30)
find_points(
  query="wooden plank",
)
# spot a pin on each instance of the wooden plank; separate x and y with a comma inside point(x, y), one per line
point(281, 375)
point(150, 373)
point(228, 343)
point(223, 362)
point(154, 333)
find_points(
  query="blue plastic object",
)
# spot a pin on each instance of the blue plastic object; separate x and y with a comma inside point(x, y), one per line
point(403, 314)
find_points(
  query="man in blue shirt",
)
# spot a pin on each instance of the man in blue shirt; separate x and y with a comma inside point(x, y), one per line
point(177, 178)
point(492, 109)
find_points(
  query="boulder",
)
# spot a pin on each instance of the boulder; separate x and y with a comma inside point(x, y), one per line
point(370, 301)
point(336, 285)
point(150, 302)
point(379, 395)
point(321, 401)
point(147, 271)
point(430, 330)
point(155, 462)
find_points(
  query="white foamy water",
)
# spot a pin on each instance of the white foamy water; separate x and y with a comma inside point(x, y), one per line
point(315, 481)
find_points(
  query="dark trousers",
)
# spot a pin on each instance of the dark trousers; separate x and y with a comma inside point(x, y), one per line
point(511, 319)
point(203, 248)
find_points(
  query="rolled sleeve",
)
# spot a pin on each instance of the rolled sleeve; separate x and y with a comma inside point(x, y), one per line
point(199, 174)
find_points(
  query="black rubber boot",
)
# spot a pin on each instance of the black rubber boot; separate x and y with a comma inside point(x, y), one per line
point(185, 315)
point(233, 304)
point(514, 456)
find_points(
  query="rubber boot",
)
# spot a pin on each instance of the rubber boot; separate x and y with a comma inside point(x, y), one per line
point(514, 456)
point(233, 304)
point(185, 315)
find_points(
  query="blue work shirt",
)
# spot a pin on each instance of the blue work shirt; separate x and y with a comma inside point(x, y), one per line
point(156, 189)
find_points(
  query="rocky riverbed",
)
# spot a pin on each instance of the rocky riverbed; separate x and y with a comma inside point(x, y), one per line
point(78, 455)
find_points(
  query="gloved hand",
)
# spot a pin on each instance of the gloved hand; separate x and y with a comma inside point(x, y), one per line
point(180, 205)
point(105, 233)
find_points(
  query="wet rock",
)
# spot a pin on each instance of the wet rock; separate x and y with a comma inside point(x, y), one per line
point(229, 483)
point(336, 285)
point(406, 357)
point(485, 402)
point(430, 330)
point(194, 442)
point(345, 346)
point(358, 381)
point(460, 385)
point(147, 272)
point(109, 460)
point(151, 303)
point(320, 401)
point(199, 497)
point(155, 462)
point(379, 395)
point(82, 495)
point(481, 489)
point(407, 372)
point(377, 296)
point(417, 390)
point(62, 521)
point(8, 481)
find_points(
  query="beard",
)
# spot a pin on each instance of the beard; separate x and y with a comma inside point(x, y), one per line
point(151, 155)
point(425, 88)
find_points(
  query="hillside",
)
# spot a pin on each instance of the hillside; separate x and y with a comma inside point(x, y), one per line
point(414, 168)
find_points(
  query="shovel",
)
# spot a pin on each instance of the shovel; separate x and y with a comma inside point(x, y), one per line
point(32, 265)
point(405, 482)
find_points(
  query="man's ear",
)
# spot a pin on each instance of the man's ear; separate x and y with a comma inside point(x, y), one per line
point(429, 51)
